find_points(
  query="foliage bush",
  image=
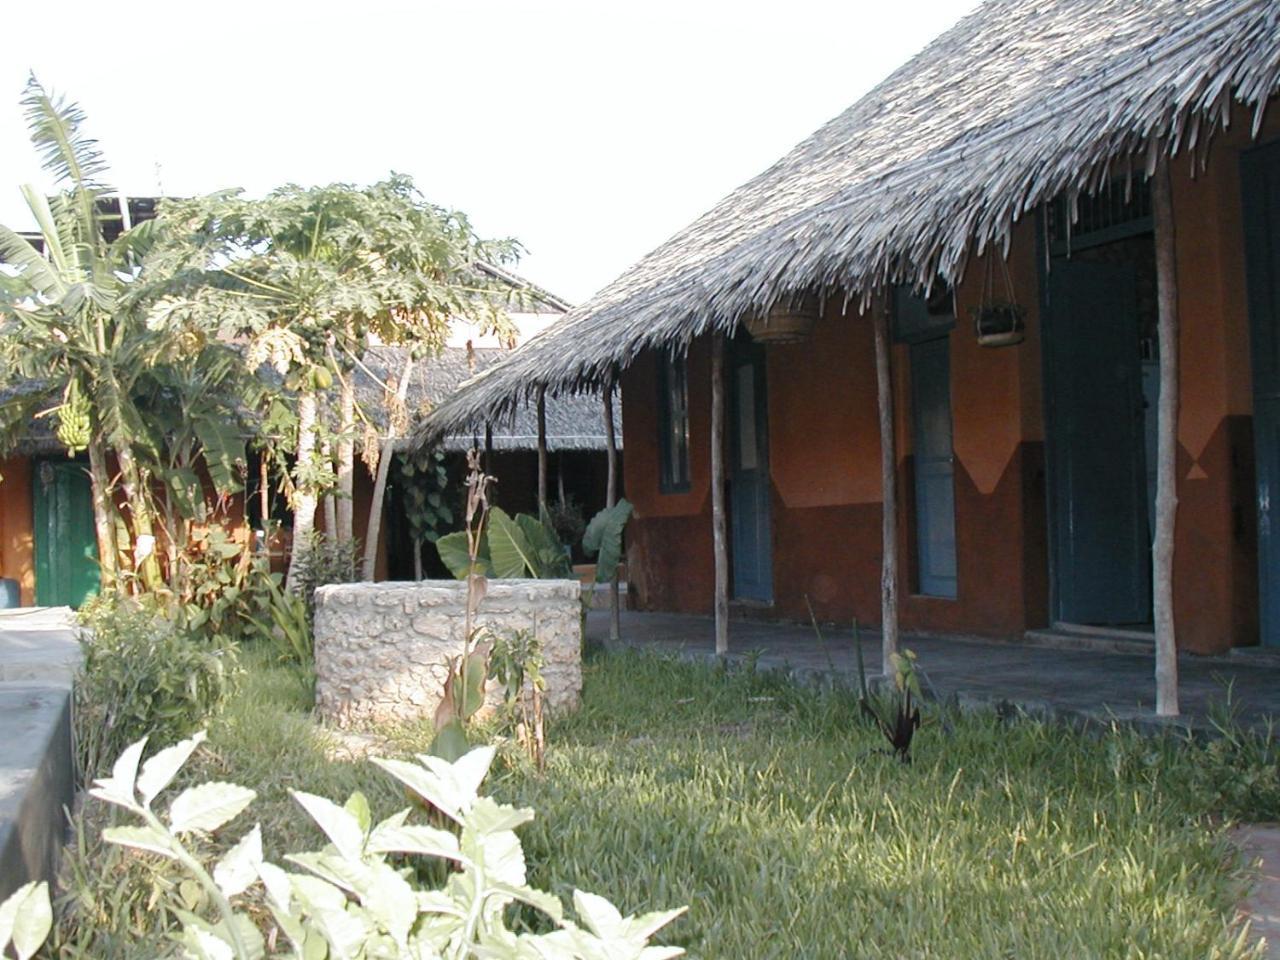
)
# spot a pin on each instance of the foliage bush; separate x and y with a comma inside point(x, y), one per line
point(330, 561)
point(354, 898)
point(143, 672)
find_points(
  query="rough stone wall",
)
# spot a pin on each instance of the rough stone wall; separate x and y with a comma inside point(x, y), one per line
point(381, 648)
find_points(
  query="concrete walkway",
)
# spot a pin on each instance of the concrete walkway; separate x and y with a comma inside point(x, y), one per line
point(39, 654)
point(1088, 684)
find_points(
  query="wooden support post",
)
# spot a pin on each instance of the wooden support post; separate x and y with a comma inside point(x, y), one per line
point(542, 451)
point(1167, 445)
point(718, 535)
point(488, 446)
point(610, 498)
point(889, 488)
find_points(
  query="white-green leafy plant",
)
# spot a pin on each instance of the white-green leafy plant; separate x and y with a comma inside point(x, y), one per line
point(351, 901)
point(25, 920)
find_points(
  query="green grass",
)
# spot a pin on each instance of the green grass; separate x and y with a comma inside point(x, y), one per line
point(772, 811)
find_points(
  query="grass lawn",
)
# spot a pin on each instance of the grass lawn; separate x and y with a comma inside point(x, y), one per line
point(773, 813)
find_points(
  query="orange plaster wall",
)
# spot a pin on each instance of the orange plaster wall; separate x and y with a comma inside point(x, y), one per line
point(824, 434)
point(17, 542)
point(640, 416)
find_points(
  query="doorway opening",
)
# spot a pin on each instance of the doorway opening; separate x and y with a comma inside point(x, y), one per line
point(1101, 363)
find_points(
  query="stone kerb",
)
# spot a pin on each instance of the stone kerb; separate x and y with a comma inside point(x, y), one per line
point(381, 648)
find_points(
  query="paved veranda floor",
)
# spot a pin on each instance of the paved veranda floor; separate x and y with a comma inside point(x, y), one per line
point(1071, 683)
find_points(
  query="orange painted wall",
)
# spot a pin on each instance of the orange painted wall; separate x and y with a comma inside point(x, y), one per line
point(17, 551)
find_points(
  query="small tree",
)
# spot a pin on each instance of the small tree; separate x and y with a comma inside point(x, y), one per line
point(308, 276)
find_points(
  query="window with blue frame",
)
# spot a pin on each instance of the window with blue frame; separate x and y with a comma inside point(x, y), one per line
point(673, 422)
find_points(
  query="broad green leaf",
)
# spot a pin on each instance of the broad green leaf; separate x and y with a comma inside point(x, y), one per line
point(500, 853)
point(353, 876)
point(488, 816)
point(647, 924)
point(200, 944)
point(414, 838)
point(454, 553)
point(510, 553)
point(276, 882)
point(26, 919)
point(358, 806)
point(160, 770)
point(450, 787)
point(140, 838)
point(392, 903)
point(546, 902)
point(119, 787)
point(450, 741)
point(238, 869)
point(208, 806)
point(603, 539)
point(223, 449)
point(426, 784)
point(338, 824)
point(599, 915)
point(326, 905)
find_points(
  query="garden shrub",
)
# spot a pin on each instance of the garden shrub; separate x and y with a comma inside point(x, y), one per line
point(143, 673)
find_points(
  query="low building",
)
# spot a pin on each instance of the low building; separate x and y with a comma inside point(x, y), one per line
point(993, 198)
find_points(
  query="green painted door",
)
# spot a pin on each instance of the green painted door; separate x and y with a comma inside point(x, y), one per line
point(750, 516)
point(1260, 179)
point(65, 547)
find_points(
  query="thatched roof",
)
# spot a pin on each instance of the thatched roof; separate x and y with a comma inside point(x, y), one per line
point(573, 422)
point(1019, 102)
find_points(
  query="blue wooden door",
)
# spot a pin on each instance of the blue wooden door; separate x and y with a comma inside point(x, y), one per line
point(1095, 435)
point(934, 467)
point(1260, 178)
point(751, 525)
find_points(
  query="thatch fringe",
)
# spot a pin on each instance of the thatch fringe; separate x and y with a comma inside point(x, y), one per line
point(1020, 102)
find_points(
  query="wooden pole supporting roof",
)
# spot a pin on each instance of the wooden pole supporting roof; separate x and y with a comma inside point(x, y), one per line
point(542, 450)
point(889, 493)
point(611, 498)
point(1166, 445)
point(718, 533)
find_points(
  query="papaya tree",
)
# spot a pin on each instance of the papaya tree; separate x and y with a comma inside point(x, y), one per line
point(307, 277)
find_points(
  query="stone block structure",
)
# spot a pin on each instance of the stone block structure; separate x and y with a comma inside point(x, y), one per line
point(381, 649)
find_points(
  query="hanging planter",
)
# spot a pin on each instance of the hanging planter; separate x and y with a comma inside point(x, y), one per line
point(788, 321)
point(999, 324)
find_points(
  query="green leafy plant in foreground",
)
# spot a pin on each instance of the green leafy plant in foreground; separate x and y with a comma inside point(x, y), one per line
point(25, 920)
point(353, 899)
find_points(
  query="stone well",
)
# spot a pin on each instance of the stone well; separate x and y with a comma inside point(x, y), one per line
point(381, 648)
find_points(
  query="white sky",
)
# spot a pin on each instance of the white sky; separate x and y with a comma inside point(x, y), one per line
point(590, 131)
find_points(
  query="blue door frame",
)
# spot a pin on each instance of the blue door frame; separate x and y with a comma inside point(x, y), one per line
point(751, 523)
point(1260, 185)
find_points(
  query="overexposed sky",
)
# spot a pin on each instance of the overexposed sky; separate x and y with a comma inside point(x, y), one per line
point(590, 131)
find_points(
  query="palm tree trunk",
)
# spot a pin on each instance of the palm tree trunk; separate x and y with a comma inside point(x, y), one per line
point(374, 530)
point(103, 521)
point(345, 528)
point(304, 495)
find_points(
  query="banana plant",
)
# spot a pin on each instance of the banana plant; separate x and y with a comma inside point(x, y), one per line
point(603, 539)
point(512, 548)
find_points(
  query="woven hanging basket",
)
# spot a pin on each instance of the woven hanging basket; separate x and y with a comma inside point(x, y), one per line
point(785, 322)
point(999, 325)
